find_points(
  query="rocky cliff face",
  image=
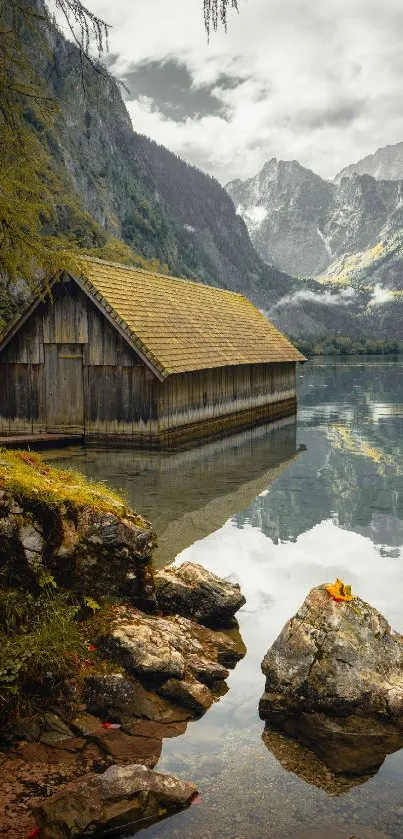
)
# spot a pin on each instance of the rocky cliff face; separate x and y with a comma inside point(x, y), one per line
point(140, 191)
point(285, 207)
point(305, 223)
point(385, 164)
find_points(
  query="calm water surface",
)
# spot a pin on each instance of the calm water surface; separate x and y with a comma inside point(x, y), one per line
point(280, 510)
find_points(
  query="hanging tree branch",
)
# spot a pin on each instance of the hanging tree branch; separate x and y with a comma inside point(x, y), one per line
point(31, 189)
point(215, 12)
point(90, 26)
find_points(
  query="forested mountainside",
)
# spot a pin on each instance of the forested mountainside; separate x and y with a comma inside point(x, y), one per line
point(139, 191)
point(348, 236)
point(386, 164)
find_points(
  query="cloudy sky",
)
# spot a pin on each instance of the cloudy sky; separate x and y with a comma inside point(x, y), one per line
point(293, 79)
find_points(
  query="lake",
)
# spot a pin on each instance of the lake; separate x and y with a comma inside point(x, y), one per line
point(280, 509)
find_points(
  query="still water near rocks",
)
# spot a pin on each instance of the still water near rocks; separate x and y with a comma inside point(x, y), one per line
point(280, 510)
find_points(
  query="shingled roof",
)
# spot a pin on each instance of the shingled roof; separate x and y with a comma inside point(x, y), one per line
point(179, 325)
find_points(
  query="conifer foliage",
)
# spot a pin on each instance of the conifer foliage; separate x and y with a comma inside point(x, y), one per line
point(30, 187)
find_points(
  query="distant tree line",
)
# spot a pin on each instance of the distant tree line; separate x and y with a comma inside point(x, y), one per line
point(340, 345)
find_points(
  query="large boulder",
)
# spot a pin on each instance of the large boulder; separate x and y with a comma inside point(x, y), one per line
point(103, 553)
point(121, 796)
point(337, 658)
point(196, 593)
point(334, 683)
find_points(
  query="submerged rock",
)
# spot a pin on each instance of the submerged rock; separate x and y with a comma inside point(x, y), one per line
point(333, 754)
point(194, 592)
point(122, 796)
point(334, 680)
point(294, 757)
point(115, 696)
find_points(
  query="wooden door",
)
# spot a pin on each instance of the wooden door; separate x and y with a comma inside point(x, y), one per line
point(64, 388)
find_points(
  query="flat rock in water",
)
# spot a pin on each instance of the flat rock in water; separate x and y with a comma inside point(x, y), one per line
point(194, 592)
point(122, 796)
point(171, 649)
point(188, 692)
point(334, 681)
point(124, 748)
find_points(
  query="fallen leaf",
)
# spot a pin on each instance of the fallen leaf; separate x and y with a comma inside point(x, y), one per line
point(340, 592)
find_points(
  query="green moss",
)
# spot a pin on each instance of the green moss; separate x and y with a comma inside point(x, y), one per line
point(31, 481)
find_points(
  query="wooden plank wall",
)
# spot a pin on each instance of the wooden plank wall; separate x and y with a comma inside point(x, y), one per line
point(199, 396)
point(122, 398)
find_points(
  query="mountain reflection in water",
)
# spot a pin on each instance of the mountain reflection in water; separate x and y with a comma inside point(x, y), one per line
point(248, 508)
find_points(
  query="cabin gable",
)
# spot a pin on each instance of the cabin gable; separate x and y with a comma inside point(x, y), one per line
point(67, 369)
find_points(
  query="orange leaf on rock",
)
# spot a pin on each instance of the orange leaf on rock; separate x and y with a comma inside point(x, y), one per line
point(340, 592)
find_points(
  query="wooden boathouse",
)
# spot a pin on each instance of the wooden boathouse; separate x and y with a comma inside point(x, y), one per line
point(122, 355)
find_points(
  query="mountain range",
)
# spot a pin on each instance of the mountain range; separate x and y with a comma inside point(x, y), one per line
point(318, 257)
point(342, 238)
point(386, 164)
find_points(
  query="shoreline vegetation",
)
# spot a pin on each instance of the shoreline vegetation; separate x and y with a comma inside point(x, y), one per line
point(342, 345)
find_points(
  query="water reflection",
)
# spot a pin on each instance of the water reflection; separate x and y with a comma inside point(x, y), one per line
point(333, 754)
point(279, 525)
point(353, 475)
point(189, 494)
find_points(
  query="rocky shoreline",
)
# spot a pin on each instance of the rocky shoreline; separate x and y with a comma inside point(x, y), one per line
point(81, 759)
point(170, 671)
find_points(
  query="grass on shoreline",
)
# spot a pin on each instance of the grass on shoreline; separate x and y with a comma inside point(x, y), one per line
point(29, 479)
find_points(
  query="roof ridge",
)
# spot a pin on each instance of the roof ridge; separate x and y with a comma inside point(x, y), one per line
point(197, 283)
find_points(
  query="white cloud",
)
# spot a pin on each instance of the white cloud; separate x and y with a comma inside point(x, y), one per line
point(380, 295)
point(325, 298)
point(322, 81)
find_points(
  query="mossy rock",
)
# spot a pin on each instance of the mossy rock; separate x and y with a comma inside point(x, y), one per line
point(57, 526)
